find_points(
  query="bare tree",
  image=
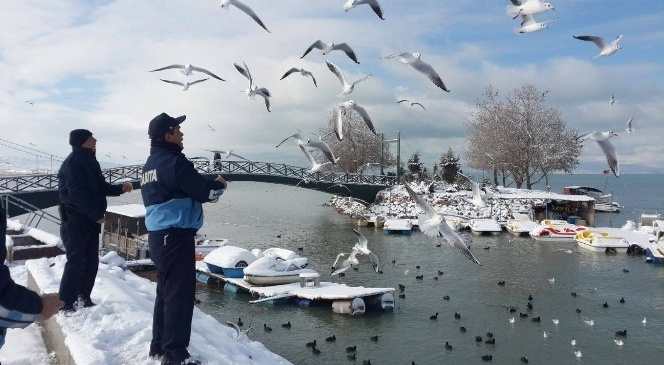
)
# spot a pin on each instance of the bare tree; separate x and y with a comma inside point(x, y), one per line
point(520, 136)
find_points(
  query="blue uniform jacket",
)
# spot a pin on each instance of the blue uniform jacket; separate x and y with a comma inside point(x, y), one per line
point(173, 191)
point(18, 306)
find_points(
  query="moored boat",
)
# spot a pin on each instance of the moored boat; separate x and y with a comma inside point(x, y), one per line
point(598, 241)
point(556, 231)
point(229, 261)
point(398, 226)
point(272, 270)
point(485, 227)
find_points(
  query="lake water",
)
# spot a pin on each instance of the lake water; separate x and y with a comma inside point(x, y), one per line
point(252, 215)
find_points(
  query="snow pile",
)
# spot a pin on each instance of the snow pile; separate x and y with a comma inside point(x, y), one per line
point(118, 329)
point(23, 346)
point(112, 259)
point(14, 225)
point(47, 238)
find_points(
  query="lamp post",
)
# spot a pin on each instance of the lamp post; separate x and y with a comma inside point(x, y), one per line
point(398, 142)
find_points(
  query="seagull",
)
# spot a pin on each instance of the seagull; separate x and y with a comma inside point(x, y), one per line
point(338, 117)
point(544, 334)
point(512, 320)
point(226, 4)
point(325, 148)
point(211, 127)
point(359, 249)
point(552, 281)
point(618, 341)
point(373, 3)
point(612, 100)
point(415, 61)
point(434, 225)
point(589, 322)
point(602, 139)
point(185, 85)
point(253, 89)
point(32, 103)
point(628, 127)
point(228, 154)
point(578, 354)
point(340, 186)
point(325, 49)
point(297, 136)
point(605, 49)
point(530, 25)
point(573, 342)
point(302, 72)
point(555, 321)
point(644, 321)
point(347, 88)
point(315, 166)
point(188, 69)
point(528, 7)
point(478, 199)
point(411, 103)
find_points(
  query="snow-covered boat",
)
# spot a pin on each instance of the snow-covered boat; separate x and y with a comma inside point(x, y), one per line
point(456, 223)
point(204, 246)
point(229, 261)
point(398, 226)
point(556, 231)
point(655, 252)
point(485, 227)
point(598, 241)
point(520, 227)
point(272, 270)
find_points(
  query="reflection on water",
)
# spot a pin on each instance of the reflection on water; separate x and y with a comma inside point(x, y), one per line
point(257, 215)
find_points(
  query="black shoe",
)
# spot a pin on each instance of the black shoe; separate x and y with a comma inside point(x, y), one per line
point(87, 303)
point(187, 361)
point(68, 308)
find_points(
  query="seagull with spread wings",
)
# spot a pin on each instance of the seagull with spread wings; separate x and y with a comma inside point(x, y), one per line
point(185, 85)
point(478, 199)
point(412, 103)
point(302, 72)
point(327, 48)
point(528, 7)
point(359, 249)
point(603, 140)
point(606, 49)
point(375, 6)
point(226, 4)
point(347, 88)
point(414, 60)
point(188, 69)
point(253, 89)
point(228, 154)
point(348, 107)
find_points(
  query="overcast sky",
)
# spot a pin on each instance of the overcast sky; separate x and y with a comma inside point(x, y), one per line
point(85, 65)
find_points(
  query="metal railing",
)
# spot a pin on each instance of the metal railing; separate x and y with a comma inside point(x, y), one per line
point(35, 214)
point(46, 182)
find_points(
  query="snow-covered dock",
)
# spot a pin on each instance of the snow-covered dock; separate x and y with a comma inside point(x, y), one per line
point(326, 293)
point(118, 329)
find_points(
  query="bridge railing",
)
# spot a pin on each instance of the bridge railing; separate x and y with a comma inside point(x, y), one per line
point(133, 173)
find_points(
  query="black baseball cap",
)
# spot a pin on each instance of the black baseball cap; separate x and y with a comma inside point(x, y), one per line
point(162, 124)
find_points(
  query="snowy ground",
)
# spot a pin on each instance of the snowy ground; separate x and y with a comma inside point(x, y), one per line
point(23, 346)
point(118, 329)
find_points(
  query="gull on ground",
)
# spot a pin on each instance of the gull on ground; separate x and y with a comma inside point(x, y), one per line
point(347, 88)
point(188, 69)
point(228, 154)
point(302, 72)
point(413, 103)
point(602, 139)
point(606, 49)
point(325, 49)
point(226, 4)
point(528, 7)
point(253, 89)
point(359, 249)
point(415, 61)
point(530, 25)
point(185, 85)
point(373, 3)
point(348, 107)
point(478, 200)
point(434, 225)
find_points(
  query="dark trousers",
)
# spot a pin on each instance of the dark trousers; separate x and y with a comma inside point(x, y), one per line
point(173, 253)
point(80, 237)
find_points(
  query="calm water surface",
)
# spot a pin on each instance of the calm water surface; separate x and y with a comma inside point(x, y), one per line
point(253, 214)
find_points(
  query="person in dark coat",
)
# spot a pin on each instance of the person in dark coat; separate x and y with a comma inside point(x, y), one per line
point(83, 191)
point(173, 193)
point(19, 306)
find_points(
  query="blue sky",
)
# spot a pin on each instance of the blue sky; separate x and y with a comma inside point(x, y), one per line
point(85, 63)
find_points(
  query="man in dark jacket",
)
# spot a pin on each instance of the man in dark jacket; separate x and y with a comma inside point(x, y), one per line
point(19, 306)
point(83, 193)
point(173, 194)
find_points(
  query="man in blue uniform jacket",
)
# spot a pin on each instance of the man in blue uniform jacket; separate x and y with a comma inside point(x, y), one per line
point(173, 194)
point(19, 306)
point(83, 191)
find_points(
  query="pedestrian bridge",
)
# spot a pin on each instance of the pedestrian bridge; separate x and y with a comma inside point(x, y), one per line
point(41, 191)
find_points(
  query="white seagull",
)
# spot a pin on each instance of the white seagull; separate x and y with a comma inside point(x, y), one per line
point(612, 99)
point(415, 61)
point(629, 127)
point(347, 87)
point(315, 165)
point(253, 89)
point(528, 7)
point(297, 136)
point(325, 49)
point(434, 225)
point(359, 249)
point(188, 69)
point(478, 199)
point(323, 147)
point(185, 85)
point(412, 104)
point(530, 25)
point(602, 139)
point(228, 154)
point(226, 4)
point(373, 3)
point(211, 127)
point(349, 106)
point(302, 72)
point(605, 49)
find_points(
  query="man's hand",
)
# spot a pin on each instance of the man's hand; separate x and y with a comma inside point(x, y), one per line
point(127, 187)
point(51, 304)
point(221, 180)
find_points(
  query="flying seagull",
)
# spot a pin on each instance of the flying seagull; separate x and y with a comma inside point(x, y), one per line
point(348, 107)
point(612, 99)
point(411, 103)
point(628, 127)
point(302, 72)
point(359, 249)
point(530, 25)
point(325, 49)
point(30, 102)
point(297, 136)
point(315, 165)
point(373, 3)
point(226, 4)
point(228, 154)
point(605, 49)
point(347, 87)
point(602, 139)
point(323, 147)
point(415, 61)
point(211, 127)
point(478, 199)
point(188, 69)
point(434, 225)
point(528, 7)
point(253, 89)
point(185, 85)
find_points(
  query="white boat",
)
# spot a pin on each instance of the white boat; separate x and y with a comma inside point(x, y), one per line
point(456, 223)
point(485, 227)
point(519, 227)
point(599, 241)
point(229, 261)
point(398, 226)
point(556, 231)
point(612, 207)
point(603, 202)
point(272, 270)
point(655, 253)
